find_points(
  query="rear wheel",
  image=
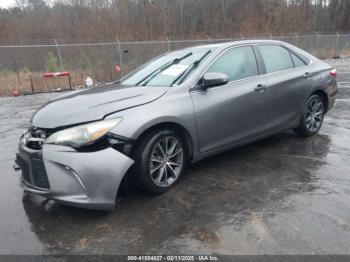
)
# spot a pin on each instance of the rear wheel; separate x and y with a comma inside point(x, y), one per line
point(312, 117)
point(160, 161)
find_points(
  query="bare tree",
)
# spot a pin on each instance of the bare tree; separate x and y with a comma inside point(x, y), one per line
point(99, 20)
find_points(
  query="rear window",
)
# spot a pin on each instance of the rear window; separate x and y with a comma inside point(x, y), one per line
point(276, 58)
point(297, 61)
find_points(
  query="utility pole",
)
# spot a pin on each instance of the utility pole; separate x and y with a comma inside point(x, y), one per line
point(223, 15)
point(317, 3)
point(181, 16)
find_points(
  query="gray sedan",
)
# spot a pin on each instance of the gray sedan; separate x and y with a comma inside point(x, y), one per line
point(176, 109)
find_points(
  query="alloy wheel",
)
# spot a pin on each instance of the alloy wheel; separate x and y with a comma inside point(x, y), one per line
point(166, 161)
point(314, 115)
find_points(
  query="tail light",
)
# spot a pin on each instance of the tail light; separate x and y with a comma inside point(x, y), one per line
point(333, 73)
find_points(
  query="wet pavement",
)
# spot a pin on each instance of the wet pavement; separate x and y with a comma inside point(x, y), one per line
point(282, 195)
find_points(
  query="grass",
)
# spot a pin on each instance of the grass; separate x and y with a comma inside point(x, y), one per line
point(23, 81)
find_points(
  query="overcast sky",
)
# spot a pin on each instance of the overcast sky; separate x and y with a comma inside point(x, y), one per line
point(6, 3)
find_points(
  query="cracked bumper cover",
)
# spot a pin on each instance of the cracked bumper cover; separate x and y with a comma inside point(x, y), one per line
point(83, 179)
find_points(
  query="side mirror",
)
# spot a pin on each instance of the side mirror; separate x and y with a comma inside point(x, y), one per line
point(213, 79)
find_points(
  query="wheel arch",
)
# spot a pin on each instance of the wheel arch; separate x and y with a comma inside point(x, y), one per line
point(323, 95)
point(176, 127)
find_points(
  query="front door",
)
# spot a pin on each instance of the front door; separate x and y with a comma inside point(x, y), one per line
point(231, 113)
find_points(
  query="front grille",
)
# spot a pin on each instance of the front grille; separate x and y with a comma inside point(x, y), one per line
point(36, 145)
point(35, 174)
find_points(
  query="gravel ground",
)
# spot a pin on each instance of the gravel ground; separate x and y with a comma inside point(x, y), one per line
point(282, 195)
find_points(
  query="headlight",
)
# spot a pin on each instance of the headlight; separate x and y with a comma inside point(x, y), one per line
point(83, 134)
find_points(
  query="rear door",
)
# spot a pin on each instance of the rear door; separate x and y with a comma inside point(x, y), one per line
point(233, 112)
point(288, 81)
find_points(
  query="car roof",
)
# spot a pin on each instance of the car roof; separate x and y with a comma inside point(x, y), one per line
point(236, 43)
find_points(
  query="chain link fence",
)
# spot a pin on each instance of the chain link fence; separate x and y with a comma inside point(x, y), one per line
point(20, 66)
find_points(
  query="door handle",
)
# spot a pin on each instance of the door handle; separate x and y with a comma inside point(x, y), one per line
point(260, 88)
point(307, 75)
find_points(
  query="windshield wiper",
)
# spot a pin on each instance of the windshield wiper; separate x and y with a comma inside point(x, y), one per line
point(184, 74)
point(149, 77)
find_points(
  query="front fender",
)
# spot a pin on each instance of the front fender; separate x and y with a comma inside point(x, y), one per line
point(177, 109)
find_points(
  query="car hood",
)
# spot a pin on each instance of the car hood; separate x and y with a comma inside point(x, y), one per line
point(93, 104)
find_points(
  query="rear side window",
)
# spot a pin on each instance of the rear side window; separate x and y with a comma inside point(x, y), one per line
point(297, 61)
point(276, 58)
point(237, 63)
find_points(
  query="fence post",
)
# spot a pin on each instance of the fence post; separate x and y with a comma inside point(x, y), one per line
point(32, 83)
point(296, 39)
point(337, 47)
point(120, 57)
point(59, 53)
point(242, 37)
point(168, 42)
point(209, 39)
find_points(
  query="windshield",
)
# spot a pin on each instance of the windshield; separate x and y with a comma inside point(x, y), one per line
point(167, 70)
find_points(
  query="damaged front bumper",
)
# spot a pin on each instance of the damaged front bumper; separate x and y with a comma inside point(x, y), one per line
point(83, 179)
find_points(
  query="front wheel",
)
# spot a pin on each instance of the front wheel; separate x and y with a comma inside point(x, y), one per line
point(160, 161)
point(312, 117)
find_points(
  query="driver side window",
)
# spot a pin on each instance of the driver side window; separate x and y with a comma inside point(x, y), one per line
point(237, 63)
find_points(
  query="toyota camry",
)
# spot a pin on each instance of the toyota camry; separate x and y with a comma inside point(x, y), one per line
point(176, 109)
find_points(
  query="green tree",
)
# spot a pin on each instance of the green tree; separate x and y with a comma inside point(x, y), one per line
point(51, 62)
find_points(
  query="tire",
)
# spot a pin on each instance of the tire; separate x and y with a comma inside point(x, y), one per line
point(312, 117)
point(157, 169)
